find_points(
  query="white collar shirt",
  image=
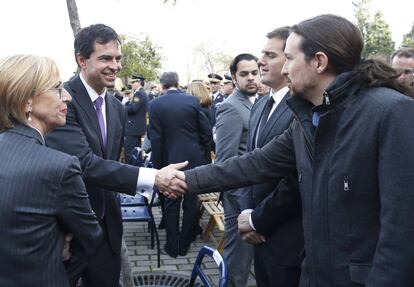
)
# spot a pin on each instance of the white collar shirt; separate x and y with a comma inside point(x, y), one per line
point(93, 95)
point(277, 97)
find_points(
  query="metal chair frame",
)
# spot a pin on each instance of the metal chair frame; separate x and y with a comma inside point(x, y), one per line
point(197, 271)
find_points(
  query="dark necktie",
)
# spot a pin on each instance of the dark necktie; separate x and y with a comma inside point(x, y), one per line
point(98, 106)
point(266, 113)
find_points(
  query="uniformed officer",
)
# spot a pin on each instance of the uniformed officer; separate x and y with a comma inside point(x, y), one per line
point(228, 85)
point(216, 96)
point(137, 107)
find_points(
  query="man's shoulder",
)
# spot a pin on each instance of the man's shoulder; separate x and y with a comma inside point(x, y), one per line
point(383, 98)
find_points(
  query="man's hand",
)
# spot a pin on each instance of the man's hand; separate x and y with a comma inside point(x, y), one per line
point(243, 223)
point(170, 181)
point(66, 246)
point(253, 237)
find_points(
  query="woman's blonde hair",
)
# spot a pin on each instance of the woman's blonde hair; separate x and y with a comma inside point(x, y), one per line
point(23, 77)
point(200, 91)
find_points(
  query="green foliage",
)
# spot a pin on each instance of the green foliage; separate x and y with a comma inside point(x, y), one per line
point(140, 57)
point(408, 39)
point(376, 32)
point(361, 8)
point(378, 41)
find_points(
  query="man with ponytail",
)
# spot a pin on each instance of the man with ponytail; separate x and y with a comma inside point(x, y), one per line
point(349, 143)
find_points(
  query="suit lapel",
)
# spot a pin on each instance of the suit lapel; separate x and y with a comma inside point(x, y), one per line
point(255, 121)
point(82, 97)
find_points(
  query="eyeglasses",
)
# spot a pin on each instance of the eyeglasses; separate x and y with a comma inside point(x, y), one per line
point(407, 72)
point(59, 90)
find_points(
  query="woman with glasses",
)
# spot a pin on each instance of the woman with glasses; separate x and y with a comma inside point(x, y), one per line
point(42, 195)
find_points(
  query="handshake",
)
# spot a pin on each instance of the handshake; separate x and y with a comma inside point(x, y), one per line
point(171, 181)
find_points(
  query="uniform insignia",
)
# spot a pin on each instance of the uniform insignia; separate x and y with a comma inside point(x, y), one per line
point(136, 99)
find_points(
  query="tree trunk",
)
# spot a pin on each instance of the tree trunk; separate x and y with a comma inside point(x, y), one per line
point(73, 16)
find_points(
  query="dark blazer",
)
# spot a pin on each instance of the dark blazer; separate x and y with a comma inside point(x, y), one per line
point(42, 197)
point(137, 109)
point(178, 130)
point(284, 241)
point(102, 173)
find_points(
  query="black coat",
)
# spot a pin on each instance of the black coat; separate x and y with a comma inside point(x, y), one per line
point(178, 130)
point(137, 109)
point(355, 173)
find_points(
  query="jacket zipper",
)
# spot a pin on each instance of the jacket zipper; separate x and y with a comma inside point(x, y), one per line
point(327, 100)
point(346, 184)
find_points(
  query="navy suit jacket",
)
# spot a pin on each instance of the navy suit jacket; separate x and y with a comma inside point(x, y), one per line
point(178, 130)
point(102, 173)
point(277, 205)
point(137, 114)
point(42, 197)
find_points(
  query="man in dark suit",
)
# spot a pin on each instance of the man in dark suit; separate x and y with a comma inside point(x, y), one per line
point(93, 132)
point(136, 126)
point(179, 131)
point(276, 260)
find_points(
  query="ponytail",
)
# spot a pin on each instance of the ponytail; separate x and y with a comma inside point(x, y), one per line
point(372, 73)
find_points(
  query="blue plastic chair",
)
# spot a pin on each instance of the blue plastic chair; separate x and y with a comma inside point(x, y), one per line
point(133, 210)
point(129, 200)
point(197, 271)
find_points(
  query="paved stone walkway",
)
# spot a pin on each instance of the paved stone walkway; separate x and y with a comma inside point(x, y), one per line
point(144, 259)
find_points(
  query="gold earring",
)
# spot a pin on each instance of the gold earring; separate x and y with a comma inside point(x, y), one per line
point(29, 116)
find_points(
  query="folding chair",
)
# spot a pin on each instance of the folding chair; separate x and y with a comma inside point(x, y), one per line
point(133, 211)
point(205, 250)
point(129, 200)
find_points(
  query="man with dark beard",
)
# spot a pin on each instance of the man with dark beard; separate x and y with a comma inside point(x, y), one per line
point(231, 140)
point(348, 143)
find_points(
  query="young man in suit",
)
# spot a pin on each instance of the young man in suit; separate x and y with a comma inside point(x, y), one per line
point(276, 259)
point(179, 131)
point(231, 139)
point(93, 132)
point(136, 125)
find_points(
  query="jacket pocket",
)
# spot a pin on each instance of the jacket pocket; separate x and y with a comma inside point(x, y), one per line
point(359, 272)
